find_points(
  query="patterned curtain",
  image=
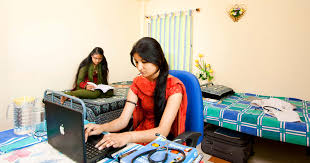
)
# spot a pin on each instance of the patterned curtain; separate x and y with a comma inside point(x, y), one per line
point(174, 33)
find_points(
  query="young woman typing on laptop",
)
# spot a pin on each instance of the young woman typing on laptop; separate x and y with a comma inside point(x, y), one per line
point(94, 68)
point(156, 100)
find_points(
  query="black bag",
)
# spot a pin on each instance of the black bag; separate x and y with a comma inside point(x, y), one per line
point(227, 144)
point(216, 91)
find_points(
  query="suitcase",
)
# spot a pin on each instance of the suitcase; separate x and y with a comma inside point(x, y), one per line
point(227, 144)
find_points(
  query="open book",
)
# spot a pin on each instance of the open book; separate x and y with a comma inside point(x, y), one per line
point(102, 87)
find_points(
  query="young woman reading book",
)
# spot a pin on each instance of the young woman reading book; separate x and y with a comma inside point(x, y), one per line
point(94, 68)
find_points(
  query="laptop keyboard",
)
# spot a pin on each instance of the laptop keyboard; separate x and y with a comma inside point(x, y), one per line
point(92, 151)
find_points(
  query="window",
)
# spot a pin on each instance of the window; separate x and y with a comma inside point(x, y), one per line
point(174, 33)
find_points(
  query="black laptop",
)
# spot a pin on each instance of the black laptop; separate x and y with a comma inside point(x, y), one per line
point(65, 132)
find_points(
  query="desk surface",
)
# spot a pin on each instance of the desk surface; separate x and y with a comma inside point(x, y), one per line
point(27, 148)
point(43, 152)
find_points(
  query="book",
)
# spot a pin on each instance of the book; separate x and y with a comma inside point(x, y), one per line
point(104, 88)
point(173, 155)
point(199, 158)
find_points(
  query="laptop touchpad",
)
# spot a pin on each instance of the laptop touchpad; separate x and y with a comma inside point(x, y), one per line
point(94, 139)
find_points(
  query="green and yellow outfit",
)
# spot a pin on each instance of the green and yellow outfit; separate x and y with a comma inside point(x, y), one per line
point(90, 73)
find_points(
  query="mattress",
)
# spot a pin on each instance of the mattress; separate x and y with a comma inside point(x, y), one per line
point(236, 113)
point(99, 110)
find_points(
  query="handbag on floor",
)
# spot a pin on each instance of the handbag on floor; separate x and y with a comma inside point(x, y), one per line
point(227, 144)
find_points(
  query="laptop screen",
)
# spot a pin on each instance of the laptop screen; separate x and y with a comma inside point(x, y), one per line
point(65, 130)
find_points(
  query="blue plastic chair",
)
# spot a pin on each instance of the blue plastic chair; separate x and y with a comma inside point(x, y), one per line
point(194, 114)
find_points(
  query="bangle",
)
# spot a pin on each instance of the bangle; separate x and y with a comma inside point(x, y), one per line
point(132, 102)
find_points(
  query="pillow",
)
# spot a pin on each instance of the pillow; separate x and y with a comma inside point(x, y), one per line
point(216, 91)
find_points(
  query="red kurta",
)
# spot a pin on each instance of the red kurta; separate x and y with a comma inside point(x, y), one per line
point(143, 115)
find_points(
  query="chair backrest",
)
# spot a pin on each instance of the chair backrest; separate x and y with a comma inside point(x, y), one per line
point(194, 113)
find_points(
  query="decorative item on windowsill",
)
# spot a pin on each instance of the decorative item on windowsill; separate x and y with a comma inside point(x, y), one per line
point(236, 12)
point(205, 74)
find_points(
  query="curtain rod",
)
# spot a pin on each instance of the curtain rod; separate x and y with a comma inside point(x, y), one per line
point(196, 9)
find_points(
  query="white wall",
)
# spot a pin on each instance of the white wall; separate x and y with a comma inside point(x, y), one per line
point(46, 40)
point(3, 63)
point(266, 52)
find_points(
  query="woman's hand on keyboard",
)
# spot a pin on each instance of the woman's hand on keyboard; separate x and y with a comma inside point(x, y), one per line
point(114, 140)
point(92, 129)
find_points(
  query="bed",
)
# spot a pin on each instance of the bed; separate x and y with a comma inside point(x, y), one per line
point(236, 113)
point(100, 110)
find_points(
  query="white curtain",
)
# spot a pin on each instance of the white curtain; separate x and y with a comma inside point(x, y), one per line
point(174, 32)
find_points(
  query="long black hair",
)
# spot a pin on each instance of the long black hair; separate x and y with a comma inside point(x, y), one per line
point(150, 50)
point(88, 61)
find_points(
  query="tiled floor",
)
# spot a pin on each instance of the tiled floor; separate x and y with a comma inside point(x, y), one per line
point(269, 151)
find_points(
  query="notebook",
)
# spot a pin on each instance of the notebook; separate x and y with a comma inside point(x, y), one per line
point(65, 132)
